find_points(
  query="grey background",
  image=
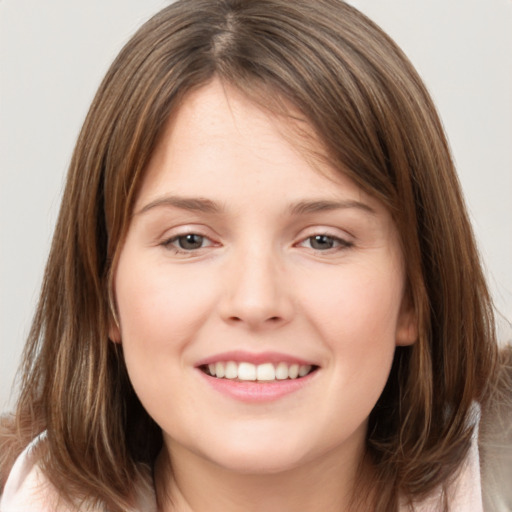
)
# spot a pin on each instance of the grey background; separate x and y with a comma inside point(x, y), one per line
point(54, 53)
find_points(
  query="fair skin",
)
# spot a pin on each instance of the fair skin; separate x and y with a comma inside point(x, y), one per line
point(241, 251)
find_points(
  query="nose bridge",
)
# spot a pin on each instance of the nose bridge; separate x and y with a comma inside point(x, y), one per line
point(256, 292)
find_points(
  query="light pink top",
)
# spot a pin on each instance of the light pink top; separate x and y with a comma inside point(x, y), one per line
point(27, 489)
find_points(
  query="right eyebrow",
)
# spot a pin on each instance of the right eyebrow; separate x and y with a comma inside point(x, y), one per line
point(305, 207)
point(197, 204)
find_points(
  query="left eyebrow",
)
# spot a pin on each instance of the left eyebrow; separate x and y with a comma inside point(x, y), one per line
point(305, 207)
point(185, 203)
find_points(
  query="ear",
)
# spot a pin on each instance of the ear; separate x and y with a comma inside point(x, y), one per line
point(407, 323)
point(114, 332)
point(114, 329)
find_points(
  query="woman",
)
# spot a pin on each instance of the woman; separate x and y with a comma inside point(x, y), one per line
point(263, 291)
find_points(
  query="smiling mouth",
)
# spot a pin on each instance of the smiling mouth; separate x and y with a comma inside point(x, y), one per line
point(248, 372)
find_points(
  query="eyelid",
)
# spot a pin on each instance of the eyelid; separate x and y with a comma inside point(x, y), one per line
point(172, 235)
point(325, 230)
point(186, 229)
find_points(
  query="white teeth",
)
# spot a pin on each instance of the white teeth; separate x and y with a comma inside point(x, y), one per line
point(304, 369)
point(219, 370)
point(231, 370)
point(266, 372)
point(282, 371)
point(293, 371)
point(246, 371)
point(262, 372)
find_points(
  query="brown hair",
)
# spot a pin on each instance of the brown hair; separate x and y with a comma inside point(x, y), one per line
point(376, 121)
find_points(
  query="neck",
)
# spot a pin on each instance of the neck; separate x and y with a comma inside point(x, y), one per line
point(195, 484)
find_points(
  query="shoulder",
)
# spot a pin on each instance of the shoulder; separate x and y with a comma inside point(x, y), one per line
point(496, 442)
point(464, 492)
point(27, 488)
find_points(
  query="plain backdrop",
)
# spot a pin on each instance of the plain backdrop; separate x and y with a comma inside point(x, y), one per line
point(53, 54)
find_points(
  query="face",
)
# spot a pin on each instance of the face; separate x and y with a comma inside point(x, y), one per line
point(260, 300)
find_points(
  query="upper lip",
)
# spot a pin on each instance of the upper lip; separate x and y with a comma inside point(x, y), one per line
point(240, 356)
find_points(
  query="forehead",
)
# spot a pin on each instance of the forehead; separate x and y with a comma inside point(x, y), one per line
point(218, 134)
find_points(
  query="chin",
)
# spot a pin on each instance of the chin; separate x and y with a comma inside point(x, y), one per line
point(252, 462)
point(262, 454)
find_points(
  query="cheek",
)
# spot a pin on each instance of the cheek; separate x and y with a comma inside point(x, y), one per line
point(157, 307)
point(361, 305)
point(357, 319)
point(159, 314)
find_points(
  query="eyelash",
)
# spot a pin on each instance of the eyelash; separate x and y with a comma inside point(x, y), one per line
point(336, 242)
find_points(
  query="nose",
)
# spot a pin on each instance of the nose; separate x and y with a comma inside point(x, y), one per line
point(256, 293)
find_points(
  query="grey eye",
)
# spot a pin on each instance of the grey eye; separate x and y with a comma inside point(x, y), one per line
point(190, 241)
point(321, 242)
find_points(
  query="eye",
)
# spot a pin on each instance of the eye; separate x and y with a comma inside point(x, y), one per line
point(325, 242)
point(188, 242)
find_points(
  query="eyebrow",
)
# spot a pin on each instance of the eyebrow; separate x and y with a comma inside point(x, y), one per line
point(197, 204)
point(203, 205)
point(305, 207)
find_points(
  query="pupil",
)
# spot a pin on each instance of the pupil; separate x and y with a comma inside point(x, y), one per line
point(322, 242)
point(191, 241)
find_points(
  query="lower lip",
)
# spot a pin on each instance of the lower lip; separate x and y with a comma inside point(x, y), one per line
point(250, 391)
